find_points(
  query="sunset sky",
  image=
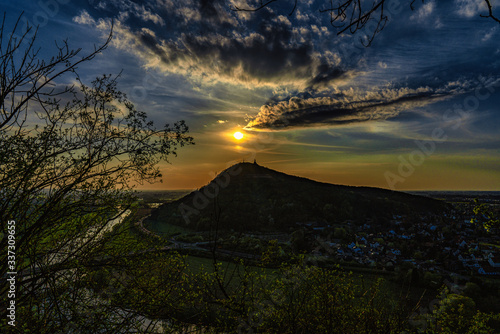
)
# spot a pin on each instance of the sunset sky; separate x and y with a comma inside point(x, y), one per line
point(417, 110)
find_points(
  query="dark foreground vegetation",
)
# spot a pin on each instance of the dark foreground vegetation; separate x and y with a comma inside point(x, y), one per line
point(191, 290)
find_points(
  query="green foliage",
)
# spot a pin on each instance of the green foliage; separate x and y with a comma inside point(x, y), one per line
point(472, 290)
point(273, 254)
point(485, 216)
point(457, 314)
point(432, 280)
point(190, 238)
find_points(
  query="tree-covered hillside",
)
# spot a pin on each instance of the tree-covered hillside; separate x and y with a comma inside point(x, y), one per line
point(248, 196)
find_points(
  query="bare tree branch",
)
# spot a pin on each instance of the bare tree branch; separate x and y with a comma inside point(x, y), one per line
point(351, 15)
point(490, 12)
point(31, 73)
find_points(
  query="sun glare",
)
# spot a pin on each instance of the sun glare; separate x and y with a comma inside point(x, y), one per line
point(238, 135)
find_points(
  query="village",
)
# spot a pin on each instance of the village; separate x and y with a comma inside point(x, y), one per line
point(453, 245)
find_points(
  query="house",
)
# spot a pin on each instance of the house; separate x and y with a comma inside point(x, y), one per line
point(395, 251)
point(494, 261)
point(488, 270)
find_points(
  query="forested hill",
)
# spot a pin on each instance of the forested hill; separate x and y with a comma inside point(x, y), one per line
point(248, 196)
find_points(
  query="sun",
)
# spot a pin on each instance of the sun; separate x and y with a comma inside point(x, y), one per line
point(238, 135)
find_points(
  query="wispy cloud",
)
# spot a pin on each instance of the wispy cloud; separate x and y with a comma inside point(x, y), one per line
point(489, 34)
point(84, 18)
point(424, 11)
point(470, 8)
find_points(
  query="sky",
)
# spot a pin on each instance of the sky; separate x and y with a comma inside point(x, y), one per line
point(419, 109)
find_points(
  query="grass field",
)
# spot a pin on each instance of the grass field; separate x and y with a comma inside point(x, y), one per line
point(199, 264)
point(165, 229)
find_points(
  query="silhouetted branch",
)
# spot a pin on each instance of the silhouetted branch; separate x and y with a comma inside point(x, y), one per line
point(352, 16)
point(351, 13)
point(490, 12)
point(32, 73)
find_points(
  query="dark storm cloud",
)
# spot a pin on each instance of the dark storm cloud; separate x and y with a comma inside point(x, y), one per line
point(326, 74)
point(208, 7)
point(344, 108)
point(211, 41)
point(266, 56)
